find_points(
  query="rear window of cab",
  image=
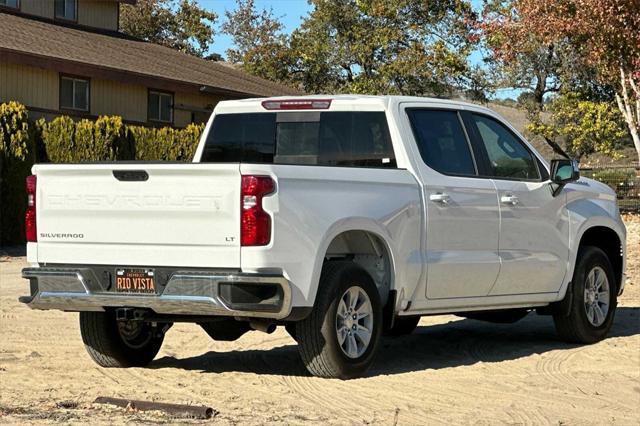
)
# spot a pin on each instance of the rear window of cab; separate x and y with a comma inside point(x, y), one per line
point(328, 138)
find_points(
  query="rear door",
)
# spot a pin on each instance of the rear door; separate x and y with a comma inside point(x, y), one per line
point(534, 233)
point(139, 214)
point(462, 210)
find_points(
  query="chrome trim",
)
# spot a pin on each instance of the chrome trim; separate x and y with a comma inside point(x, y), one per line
point(57, 281)
point(186, 293)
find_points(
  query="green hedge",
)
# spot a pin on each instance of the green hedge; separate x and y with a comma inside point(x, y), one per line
point(623, 181)
point(165, 144)
point(64, 140)
point(17, 154)
point(108, 139)
point(69, 141)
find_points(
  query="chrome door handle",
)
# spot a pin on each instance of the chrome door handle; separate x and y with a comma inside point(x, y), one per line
point(509, 199)
point(440, 197)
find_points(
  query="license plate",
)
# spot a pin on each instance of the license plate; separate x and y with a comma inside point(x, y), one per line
point(135, 281)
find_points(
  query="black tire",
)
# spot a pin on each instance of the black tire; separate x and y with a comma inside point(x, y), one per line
point(317, 336)
point(107, 346)
point(402, 326)
point(291, 329)
point(572, 323)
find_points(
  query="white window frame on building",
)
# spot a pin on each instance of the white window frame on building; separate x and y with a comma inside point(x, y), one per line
point(69, 10)
point(159, 95)
point(76, 83)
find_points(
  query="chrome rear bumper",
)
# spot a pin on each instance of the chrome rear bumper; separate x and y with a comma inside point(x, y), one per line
point(185, 293)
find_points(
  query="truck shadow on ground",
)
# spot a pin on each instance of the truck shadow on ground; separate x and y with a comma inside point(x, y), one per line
point(457, 343)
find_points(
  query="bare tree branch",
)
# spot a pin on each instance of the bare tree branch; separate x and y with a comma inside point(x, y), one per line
point(555, 146)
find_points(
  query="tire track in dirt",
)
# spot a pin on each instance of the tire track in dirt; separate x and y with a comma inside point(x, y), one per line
point(334, 405)
point(361, 396)
point(517, 416)
point(553, 368)
point(186, 393)
point(129, 379)
point(528, 415)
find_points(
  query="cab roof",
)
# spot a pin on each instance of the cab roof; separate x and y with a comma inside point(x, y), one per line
point(342, 103)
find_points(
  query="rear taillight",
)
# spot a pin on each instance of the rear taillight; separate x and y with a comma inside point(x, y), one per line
point(255, 223)
point(30, 215)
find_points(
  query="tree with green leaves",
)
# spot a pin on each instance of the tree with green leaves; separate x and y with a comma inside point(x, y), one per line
point(183, 25)
point(407, 47)
point(582, 127)
point(384, 46)
point(260, 45)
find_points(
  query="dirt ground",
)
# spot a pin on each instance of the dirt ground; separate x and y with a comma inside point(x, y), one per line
point(450, 370)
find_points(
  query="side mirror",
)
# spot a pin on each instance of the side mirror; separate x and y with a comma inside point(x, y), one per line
point(564, 171)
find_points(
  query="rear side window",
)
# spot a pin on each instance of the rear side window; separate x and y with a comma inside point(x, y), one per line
point(351, 139)
point(442, 142)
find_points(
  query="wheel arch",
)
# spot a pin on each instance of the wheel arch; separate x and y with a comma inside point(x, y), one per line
point(606, 234)
point(608, 241)
point(365, 242)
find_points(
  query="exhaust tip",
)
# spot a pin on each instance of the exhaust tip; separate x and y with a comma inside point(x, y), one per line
point(265, 327)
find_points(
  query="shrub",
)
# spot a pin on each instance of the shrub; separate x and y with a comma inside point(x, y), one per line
point(58, 139)
point(17, 155)
point(63, 140)
point(623, 181)
point(68, 141)
point(186, 142)
point(165, 144)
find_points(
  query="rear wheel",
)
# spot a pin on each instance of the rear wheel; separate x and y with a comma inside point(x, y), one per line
point(112, 343)
point(340, 336)
point(593, 300)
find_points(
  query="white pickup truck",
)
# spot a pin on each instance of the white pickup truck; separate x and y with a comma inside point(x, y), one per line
point(342, 218)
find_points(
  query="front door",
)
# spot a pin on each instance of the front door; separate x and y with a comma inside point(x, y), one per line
point(534, 233)
point(462, 209)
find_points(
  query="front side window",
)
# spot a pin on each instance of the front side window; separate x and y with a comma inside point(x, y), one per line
point(160, 107)
point(442, 141)
point(508, 157)
point(14, 4)
point(74, 93)
point(349, 139)
point(66, 9)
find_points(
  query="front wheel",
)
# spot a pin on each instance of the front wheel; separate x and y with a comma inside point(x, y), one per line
point(593, 300)
point(340, 336)
point(112, 343)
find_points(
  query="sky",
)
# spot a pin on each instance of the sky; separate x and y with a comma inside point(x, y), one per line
point(290, 13)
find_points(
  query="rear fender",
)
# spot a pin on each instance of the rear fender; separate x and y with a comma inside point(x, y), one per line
point(352, 224)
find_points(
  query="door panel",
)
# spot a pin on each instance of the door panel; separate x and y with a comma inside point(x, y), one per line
point(462, 210)
point(533, 238)
point(534, 235)
point(462, 238)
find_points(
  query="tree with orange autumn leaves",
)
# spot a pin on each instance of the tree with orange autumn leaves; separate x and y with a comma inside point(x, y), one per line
point(601, 36)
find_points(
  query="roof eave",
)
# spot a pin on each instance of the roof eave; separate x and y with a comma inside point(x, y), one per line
point(123, 76)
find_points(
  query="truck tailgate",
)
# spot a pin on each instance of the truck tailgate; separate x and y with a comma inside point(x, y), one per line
point(185, 215)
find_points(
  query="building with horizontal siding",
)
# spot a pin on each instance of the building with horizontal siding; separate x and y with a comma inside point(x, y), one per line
point(66, 57)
